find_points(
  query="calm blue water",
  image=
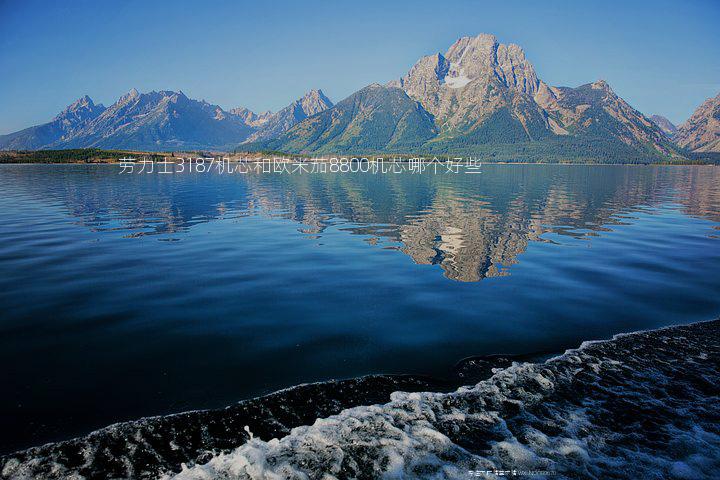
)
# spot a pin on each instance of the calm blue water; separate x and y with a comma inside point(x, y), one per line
point(124, 296)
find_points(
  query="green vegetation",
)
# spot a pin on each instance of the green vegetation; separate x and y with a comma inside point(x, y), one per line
point(558, 149)
point(552, 150)
point(374, 119)
point(381, 120)
point(79, 155)
point(704, 157)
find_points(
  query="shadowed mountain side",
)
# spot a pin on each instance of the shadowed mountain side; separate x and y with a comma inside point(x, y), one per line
point(160, 121)
point(374, 119)
point(66, 124)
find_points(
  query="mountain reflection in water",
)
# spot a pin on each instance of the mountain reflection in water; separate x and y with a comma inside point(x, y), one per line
point(123, 296)
point(472, 226)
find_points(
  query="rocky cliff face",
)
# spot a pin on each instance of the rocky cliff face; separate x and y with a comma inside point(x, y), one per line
point(251, 118)
point(476, 77)
point(485, 98)
point(479, 80)
point(78, 113)
point(701, 132)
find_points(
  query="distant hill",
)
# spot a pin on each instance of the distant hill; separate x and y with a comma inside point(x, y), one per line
point(665, 125)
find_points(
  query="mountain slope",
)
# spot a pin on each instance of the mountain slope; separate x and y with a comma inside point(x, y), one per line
point(64, 125)
point(162, 120)
point(665, 125)
point(701, 132)
point(375, 119)
point(275, 124)
point(594, 112)
point(480, 97)
point(159, 121)
point(485, 98)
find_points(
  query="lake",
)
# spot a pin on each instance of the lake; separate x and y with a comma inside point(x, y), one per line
point(128, 295)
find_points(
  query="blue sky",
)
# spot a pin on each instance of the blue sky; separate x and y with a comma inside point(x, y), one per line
point(663, 57)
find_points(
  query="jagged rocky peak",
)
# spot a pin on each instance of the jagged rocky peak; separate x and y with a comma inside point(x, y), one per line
point(179, 97)
point(80, 110)
point(244, 113)
point(271, 124)
point(251, 118)
point(128, 98)
point(150, 100)
point(79, 104)
point(474, 57)
point(82, 102)
point(130, 95)
point(602, 85)
point(456, 86)
point(314, 102)
point(470, 59)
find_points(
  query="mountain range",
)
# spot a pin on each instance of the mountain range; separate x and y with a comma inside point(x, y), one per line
point(485, 98)
point(160, 121)
point(480, 97)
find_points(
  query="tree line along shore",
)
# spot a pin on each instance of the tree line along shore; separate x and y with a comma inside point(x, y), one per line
point(96, 155)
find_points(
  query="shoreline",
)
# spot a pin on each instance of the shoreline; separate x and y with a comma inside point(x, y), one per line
point(364, 389)
point(100, 156)
point(171, 440)
point(389, 159)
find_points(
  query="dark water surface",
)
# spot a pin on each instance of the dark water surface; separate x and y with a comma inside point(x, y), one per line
point(123, 296)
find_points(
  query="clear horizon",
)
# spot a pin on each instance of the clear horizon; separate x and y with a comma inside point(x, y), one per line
point(659, 56)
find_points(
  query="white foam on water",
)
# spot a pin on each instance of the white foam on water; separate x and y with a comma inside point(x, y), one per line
point(642, 405)
point(500, 422)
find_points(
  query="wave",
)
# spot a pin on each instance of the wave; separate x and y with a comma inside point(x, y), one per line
point(642, 405)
